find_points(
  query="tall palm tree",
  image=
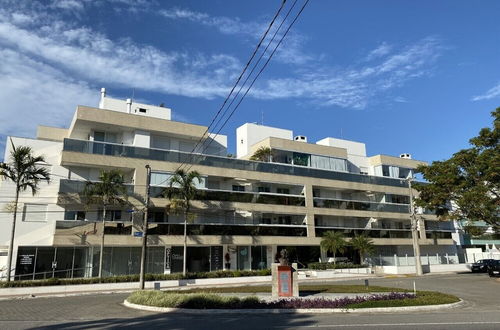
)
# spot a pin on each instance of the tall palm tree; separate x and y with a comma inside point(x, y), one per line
point(263, 154)
point(109, 190)
point(333, 241)
point(181, 191)
point(363, 244)
point(24, 170)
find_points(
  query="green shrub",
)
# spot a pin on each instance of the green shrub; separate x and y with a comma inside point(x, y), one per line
point(135, 278)
point(330, 265)
point(191, 300)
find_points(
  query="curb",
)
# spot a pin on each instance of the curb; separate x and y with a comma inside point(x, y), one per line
point(294, 311)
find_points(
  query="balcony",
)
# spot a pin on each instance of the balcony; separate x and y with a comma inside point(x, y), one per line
point(240, 197)
point(359, 205)
point(118, 150)
point(77, 186)
point(373, 233)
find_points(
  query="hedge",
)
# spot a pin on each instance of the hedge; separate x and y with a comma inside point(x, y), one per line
point(135, 278)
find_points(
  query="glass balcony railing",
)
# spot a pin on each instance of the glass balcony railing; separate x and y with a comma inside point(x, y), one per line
point(359, 205)
point(77, 186)
point(118, 150)
point(227, 230)
point(239, 196)
point(373, 233)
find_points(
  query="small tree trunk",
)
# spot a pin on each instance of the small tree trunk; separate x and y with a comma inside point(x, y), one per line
point(12, 235)
point(101, 256)
point(361, 261)
point(334, 258)
point(184, 259)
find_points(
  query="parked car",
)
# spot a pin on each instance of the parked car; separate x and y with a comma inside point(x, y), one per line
point(481, 266)
point(494, 268)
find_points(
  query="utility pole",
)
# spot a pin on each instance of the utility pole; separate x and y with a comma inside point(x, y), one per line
point(414, 232)
point(145, 230)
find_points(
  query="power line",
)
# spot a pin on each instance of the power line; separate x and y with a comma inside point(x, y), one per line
point(239, 78)
point(259, 73)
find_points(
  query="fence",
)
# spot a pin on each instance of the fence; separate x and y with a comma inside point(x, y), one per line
point(406, 260)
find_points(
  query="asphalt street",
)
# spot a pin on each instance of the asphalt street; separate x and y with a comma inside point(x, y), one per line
point(105, 311)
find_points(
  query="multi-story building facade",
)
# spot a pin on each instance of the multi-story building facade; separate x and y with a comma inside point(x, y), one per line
point(244, 213)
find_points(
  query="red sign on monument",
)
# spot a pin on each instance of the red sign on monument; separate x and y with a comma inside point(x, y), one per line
point(285, 288)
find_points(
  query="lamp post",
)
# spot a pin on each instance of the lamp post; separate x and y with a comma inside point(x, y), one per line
point(145, 230)
point(414, 231)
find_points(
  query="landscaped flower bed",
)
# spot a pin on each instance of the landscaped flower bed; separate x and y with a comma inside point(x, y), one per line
point(214, 301)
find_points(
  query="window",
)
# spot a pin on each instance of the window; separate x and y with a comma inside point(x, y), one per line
point(157, 216)
point(142, 110)
point(111, 215)
point(238, 188)
point(300, 159)
point(264, 189)
point(283, 191)
point(74, 215)
point(35, 212)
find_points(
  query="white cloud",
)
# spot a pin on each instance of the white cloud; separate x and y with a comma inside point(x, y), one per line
point(382, 50)
point(491, 93)
point(34, 93)
point(91, 56)
point(357, 86)
point(224, 24)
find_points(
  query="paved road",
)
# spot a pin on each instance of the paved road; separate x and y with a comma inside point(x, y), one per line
point(481, 293)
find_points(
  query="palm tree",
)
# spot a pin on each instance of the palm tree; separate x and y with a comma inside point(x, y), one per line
point(363, 244)
point(263, 154)
point(24, 170)
point(181, 191)
point(333, 241)
point(109, 190)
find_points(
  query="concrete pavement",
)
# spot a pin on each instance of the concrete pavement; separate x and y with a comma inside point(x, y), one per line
point(481, 311)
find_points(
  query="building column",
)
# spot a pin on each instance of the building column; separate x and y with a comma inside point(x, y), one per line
point(308, 196)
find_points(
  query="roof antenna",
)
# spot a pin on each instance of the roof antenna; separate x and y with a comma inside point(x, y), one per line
point(133, 93)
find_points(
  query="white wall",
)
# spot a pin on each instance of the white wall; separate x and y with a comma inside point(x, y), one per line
point(249, 134)
point(141, 139)
point(356, 152)
point(121, 106)
point(29, 232)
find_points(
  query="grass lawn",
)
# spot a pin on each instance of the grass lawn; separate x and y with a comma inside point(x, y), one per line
point(305, 288)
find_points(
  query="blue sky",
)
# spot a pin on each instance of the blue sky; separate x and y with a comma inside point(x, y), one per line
point(402, 76)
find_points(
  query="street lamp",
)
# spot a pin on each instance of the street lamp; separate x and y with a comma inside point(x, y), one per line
point(414, 231)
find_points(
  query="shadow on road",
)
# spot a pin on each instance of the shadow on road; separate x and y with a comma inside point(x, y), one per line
point(193, 321)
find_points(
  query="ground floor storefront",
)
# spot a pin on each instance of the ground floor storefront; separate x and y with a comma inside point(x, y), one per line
point(83, 261)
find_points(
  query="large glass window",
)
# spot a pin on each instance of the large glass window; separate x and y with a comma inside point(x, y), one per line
point(301, 159)
point(74, 215)
point(259, 257)
point(243, 257)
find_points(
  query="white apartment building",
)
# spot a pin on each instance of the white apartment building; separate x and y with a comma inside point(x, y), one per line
point(245, 210)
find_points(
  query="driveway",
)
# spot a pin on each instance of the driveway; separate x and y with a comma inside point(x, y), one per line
point(481, 311)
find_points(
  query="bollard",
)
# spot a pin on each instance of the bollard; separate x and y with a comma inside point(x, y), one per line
point(366, 285)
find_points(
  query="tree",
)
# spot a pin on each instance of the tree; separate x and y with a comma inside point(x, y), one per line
point(181, 191)
point(333, 241)
point(25, 172)
point(466, 186)
point(109, 190)
point(263, 154)
point(364, 245)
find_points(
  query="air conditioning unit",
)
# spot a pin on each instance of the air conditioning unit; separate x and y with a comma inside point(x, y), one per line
point(406, 156)
point(301, 138)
